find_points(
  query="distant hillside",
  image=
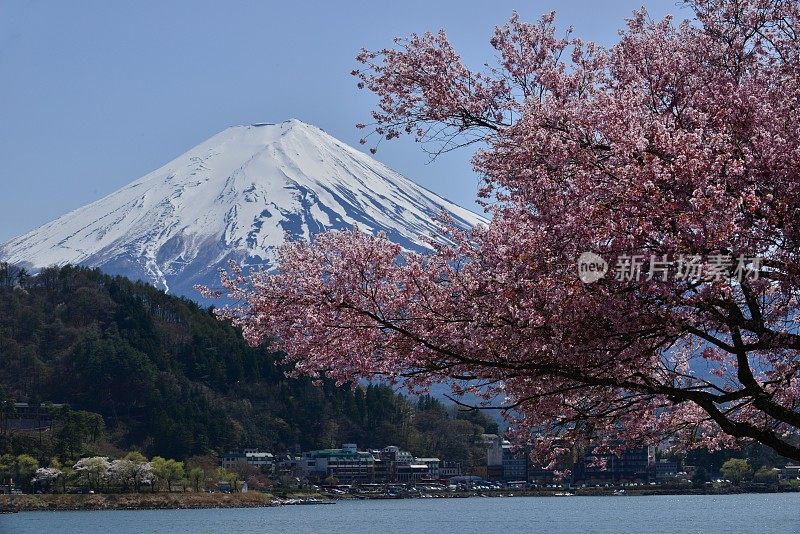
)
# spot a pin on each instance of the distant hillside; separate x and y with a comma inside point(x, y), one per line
point(170, 379)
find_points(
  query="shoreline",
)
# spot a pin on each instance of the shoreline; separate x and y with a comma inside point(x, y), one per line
point(253, 499)
point(136, 501)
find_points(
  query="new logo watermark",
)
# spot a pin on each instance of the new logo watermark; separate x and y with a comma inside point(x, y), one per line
point(591, 267)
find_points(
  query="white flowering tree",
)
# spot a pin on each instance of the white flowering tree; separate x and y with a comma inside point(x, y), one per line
point(45, 477)
point(131, 472)
point(93, 470)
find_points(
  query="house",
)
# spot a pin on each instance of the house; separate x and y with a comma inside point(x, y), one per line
point(789, 472)
point(397, 455)
point(636, 464)
point(505, 464)
point(411, 473)
point(450, 469)
point(26, 416)
point(432, 466)
point(666, 470)
point(392, 465)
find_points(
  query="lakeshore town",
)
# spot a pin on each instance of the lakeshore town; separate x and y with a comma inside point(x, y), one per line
point(393, 473)
point(251, 477)
point(350, 472)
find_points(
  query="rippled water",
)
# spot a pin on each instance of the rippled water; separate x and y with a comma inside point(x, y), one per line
point(762, 513)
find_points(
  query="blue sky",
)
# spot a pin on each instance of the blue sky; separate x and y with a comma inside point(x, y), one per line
point(95, 94)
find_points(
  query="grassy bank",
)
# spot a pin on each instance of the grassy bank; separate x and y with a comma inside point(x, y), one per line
point(137, 501)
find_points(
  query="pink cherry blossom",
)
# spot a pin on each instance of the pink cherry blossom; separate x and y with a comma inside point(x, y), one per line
point(681, 139)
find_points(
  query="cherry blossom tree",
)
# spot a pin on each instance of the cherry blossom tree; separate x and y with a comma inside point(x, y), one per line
point(46, 476)
point(131, 471)
point(94, 469)
point(673, 155)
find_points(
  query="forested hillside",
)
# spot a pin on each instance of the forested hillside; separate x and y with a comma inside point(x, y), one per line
point(168, 378)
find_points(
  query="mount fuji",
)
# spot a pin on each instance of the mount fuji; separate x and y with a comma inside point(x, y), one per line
point(235, 197)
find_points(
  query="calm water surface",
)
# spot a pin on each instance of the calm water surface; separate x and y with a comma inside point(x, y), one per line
point(779, 513)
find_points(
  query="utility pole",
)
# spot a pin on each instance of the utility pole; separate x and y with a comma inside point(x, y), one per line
point(10, 494)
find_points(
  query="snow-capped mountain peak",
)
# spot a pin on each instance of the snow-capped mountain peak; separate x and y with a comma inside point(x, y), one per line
point(235, 196)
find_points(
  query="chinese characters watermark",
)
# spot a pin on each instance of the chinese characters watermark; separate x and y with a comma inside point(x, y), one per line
point(693, 268)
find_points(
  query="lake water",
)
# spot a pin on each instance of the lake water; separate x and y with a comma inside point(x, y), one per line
point(762, 513)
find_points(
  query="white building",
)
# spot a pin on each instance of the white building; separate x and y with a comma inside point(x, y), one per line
point(397, 455)
point(432, 464)
point(450, 469)
point(252, 457)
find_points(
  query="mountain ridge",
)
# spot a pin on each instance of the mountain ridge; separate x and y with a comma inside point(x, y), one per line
point(235, 196)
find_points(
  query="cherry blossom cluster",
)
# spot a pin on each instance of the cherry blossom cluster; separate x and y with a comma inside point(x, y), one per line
point(682, 138)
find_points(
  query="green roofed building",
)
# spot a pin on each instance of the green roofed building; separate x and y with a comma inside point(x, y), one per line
point(347, 465)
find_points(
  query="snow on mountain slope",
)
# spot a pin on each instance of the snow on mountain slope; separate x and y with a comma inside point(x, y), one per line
point(235, 196)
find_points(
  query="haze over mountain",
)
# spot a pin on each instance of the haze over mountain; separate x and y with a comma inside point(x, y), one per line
point(235, 196)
